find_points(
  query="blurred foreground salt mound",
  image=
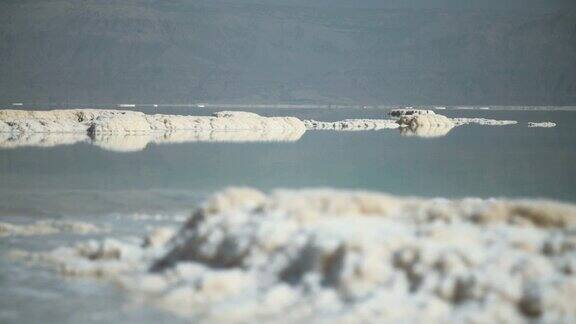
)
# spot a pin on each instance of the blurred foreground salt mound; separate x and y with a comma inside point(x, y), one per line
point(348, 257)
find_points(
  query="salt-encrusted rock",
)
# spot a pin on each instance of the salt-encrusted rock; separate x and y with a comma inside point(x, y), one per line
point(52, 121)
point(117, 130)
point(483, 121)
point(541, 124)
point(225, 121)
point(130, 122)
point(350, 256)
point(428, 125)
point(132, 131)
point(410, 112)
point(427, 132)
point(416, 121)
point(425, 123)
point(352, 124)
point(94, 121)
point(47, 227)
point(230, 114)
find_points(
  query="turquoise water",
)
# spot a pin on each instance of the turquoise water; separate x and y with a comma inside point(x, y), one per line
point(479, 161)
point(85, 182)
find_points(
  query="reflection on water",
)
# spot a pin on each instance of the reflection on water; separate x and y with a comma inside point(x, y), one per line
point(137, 142)
point(14, 140)
point(472, 160)
point(70, 177)
point(126, 142)
point(428, 131)
point(131, 143)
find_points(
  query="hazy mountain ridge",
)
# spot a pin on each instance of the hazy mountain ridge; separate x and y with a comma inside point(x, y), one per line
point(176, 51)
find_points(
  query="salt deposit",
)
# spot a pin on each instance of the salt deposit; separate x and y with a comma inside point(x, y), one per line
point(348, 256)
point(47, 227)
point(128, 131)
point(426, 132)
point(352, 124)
point(542, 124)
point(416, 121)
point(426, 117)
point(95, 121)
point(410, 112)
point(483, 121)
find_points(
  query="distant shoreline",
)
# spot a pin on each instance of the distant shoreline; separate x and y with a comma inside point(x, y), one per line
point(130, 106)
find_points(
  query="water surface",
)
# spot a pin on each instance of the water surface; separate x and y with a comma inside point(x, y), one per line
point(85, 182)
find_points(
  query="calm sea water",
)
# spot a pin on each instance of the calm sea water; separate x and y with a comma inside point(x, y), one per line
point(85, 182)
point(482, 161)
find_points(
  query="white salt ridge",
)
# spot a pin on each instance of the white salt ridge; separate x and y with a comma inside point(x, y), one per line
point(411, 122)
point(348, 257)
point(48, 227)
point(424, 118)
point(128, 131)
point(542, 124)
point(425, 125)
point(410, 112)
point(352, 124)
point(483, 121)
point(96, 121)
point(132, 131)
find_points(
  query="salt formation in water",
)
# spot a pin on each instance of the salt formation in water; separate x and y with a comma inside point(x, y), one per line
point(349, 256)
point(542, 124)
point(426, 132)
point(47, 227)
point(94, 121)
point(425, 125)
point(483, 121)
point(408, 116)
point(132, 131)
point(129, 142)
point(352, 124)
point(410, 112)
point(128, 131)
